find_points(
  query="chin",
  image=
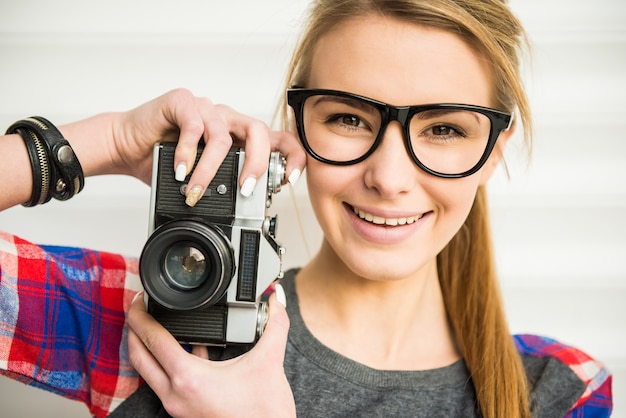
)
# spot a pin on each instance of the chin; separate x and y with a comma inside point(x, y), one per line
point(385, 268)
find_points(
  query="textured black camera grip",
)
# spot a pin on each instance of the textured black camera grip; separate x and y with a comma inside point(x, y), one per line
point(220, 197)
point(204, 326)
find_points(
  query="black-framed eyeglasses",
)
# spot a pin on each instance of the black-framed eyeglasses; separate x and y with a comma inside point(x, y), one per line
point(445, 140)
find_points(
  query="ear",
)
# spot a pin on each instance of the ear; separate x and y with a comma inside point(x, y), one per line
point(496, 155)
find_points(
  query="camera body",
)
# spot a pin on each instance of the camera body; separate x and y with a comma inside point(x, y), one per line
point(205, 268)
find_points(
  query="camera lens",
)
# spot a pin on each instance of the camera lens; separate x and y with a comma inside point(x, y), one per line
point(186, 264)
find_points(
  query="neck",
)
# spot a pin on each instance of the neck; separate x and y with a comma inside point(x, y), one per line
point(398, 324)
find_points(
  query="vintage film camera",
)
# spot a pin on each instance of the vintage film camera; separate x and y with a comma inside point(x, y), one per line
point(205, 268)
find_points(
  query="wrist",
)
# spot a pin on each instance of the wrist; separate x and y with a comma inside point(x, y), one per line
point(93, 142)
point(15, 172)
point(56, 171)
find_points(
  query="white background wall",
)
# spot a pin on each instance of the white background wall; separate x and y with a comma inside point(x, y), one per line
point(559, 223)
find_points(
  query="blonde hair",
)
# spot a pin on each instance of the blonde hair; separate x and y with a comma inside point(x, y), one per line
point(466, 265)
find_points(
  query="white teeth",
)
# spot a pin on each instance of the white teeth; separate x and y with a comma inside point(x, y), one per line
point(379, 220)
point(392, 221)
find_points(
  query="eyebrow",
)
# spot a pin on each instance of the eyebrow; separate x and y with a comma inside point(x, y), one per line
point(434, 113)
point(347, 101)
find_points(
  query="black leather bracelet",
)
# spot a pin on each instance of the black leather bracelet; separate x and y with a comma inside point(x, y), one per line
point(57, 172)
point(39, 165)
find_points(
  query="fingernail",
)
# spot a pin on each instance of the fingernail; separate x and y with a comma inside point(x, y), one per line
point(248, 187)
point(137, 296)
point(181, 172)
point(294, 176)
point(280, 294)
point(193, 196)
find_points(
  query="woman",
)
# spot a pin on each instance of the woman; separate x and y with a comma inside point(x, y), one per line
point(404, 108)
point(404, 279)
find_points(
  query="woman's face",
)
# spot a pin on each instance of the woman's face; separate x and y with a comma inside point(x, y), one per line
point(400, 64)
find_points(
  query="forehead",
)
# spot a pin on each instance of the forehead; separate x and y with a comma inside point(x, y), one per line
point(400, 63)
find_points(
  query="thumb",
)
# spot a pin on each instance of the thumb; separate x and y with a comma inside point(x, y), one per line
point(273, 342)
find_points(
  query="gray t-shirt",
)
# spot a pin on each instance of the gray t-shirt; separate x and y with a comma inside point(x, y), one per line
point(327, 384)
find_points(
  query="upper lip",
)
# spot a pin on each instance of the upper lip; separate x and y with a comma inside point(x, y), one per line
point(385, 217)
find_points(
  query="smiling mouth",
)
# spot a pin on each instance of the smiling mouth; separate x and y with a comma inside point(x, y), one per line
point(379, 220)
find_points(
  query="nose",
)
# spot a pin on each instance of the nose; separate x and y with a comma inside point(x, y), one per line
point(390, 170)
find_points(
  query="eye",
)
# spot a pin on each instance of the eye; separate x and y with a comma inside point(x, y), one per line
point(443, 130)
point(443, 133)
point(349, 122)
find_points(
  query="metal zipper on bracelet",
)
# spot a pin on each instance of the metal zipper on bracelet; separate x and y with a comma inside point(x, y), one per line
point(43, 164)
point(38, 123)
point(60, 185)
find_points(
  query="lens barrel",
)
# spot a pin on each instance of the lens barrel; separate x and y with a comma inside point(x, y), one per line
point(186, 264)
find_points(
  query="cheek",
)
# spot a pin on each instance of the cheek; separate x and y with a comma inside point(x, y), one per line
point(454, 200)
point(323, 181)
point(327, 186)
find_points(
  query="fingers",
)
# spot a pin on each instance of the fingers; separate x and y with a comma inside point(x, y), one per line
point(217, 141)
point(253, 134)
point(140, 357)
point(145, 364)
point(257, 146)
point(153, 350)
point(220, 126)
point(184, 382)
point(197, 119)
point(290, 147)
point(271, 346)
point(189, 119)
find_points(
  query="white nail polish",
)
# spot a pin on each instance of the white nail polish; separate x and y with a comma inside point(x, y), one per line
point(280, 294)
point(181, 172)
point(294, 176)
point(248, 187)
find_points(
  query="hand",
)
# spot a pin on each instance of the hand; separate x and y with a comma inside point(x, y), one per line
point(180, 116)
point(190, 385)
point(122, 143)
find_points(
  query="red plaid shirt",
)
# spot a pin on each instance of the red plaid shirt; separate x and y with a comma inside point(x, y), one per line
point(62, 321)
point(63, 328)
